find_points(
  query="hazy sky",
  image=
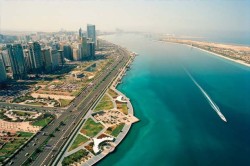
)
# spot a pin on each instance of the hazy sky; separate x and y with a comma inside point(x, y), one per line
point(169, 16)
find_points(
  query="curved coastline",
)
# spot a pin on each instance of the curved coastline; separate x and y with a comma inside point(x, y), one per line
point(231, 59)
point(127, 127)
point(218, 55)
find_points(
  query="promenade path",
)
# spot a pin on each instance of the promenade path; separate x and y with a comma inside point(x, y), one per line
point(95, 158)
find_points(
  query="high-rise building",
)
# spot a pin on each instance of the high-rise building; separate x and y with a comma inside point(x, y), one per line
point(91, 50)
point(77, 51)
point(35, 56)
point(76, 54)
point(47, 61)
point(15, 52)
point(84, 47)
point(3, 76)
point(6, 58)
point(67, 52)
point(80, 33)
point(27, 60)
point(91, 32)
point(55, 56)
point(61, 57)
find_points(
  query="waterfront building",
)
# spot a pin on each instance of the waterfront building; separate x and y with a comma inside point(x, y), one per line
point(15, 52)
point(91, 33)
point(3, 75)
point(91, 50)
point(35, 56)
point(47, 61)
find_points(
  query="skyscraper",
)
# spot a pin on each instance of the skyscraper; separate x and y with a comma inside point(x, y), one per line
point(27, 60)
point(55, 56)
point(3, 75)
point(80, 33)
point(91, 50)
point(47, 61)
point(67, 51)
point(6, 58)
point(77, 51)
point(84, 47)
point(61, 57)
point(15, 52)
point(36, 56)
point(91, 32)
point(76, 54)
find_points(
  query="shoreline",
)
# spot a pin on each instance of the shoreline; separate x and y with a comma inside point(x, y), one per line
point(216, 54)
point(222, 56)
point(127, 127)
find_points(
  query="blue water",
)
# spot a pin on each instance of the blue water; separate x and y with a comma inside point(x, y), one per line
point(178, 127)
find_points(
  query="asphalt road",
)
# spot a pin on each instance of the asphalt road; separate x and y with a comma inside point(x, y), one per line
point(71, 117)
point(29, 107)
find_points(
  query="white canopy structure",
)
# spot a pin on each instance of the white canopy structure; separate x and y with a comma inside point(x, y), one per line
point(120, 99)
point(97, 142)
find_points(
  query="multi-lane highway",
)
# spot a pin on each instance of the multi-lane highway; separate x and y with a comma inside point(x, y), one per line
point(30, 107)
point(55, 135)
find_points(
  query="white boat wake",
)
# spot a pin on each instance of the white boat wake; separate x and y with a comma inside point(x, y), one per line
point(210, 101)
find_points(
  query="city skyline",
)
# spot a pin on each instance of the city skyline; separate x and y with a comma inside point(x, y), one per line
point(181, 17)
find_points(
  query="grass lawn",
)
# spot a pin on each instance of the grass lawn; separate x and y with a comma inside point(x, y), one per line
point(123, 108)
point(104, 104)
point(64, 102)
point(24, 134)
point(20, 113)
point(115, 131)
point(75, 157)
point(22, 99)
point(112, 93)
point(80, 139)
point(23, 113)
point(36, 103)
point(91, 128)
point(42, 122)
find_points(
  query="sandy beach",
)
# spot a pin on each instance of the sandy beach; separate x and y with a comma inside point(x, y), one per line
point(221, 45)
point(234, 60)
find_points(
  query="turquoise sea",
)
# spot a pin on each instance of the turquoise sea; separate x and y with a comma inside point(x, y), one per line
point(178, 126)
